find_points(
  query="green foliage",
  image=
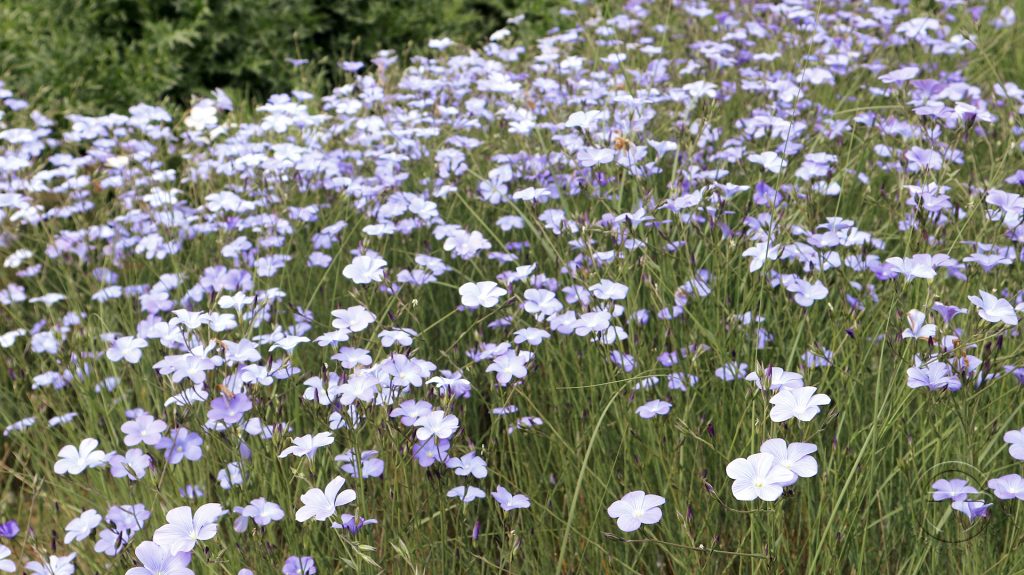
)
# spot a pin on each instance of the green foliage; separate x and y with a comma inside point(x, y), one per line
point(95, 56)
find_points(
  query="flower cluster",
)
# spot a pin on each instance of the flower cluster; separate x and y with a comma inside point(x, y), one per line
point(484, 294)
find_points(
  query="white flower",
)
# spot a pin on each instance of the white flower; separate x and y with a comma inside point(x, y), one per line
point(917, 266)
point(353, 319)
point(235, 301)
point(466, 494)
point(8, 338)
point(17, 258)
point(56, 565)
point(769, 160)
point(609, 290)
point(919, 328)
point(801, 403)
point(365, 269)
point(531, 194)
point(401, 336)
point(440, 43)
point(636, 509)
point(81, 527)
point(184, 529)
point(202, 116)
point(6, 565)
point(757, 477)
point(308, 444)
point(585, 120)
point(289, 342)
point(128, 348)
point(75, 460)
point(321, 504)
point(436, 424)
point(776, 378)
point(993, 309)
point(481, 294)
point(796, 457)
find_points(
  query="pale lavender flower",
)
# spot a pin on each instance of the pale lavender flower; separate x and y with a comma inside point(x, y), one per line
point(510, 365)
point(1008, 486)
point(229, 410)
point(352, 319)
point(430, 451)
point(133, 464)
point(411, 410)
point(972, 509)
point(541, 302)
point(731, 371)
point(398, 336)
point(900, 75)
point(770, 161)
point(230, 475)
point(1015, 439)
point(954, 489)
point(609, 290)
point(585, 120)
point(181, 444)
point(111, 542)
point(921, 159)
point(806, 293)
point(468, 464)
point(653, 408)
point(508, 501)
point(948, 312)
point(365, 466)
point(143, 429)
point(933, 374)
point(289, 342)
point(299, 566)
point(920, 266)
point(262, 512)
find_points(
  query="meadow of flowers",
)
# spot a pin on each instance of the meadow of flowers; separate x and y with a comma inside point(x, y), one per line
point(680, 287)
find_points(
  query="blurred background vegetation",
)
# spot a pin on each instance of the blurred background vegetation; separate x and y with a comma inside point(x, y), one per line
point(99, 56)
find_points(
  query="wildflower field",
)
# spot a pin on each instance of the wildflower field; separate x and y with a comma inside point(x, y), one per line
point(677, 287)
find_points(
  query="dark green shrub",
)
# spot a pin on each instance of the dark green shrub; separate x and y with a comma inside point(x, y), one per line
point(105, 55)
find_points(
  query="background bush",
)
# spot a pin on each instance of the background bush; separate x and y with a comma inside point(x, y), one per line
point(94, 56)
